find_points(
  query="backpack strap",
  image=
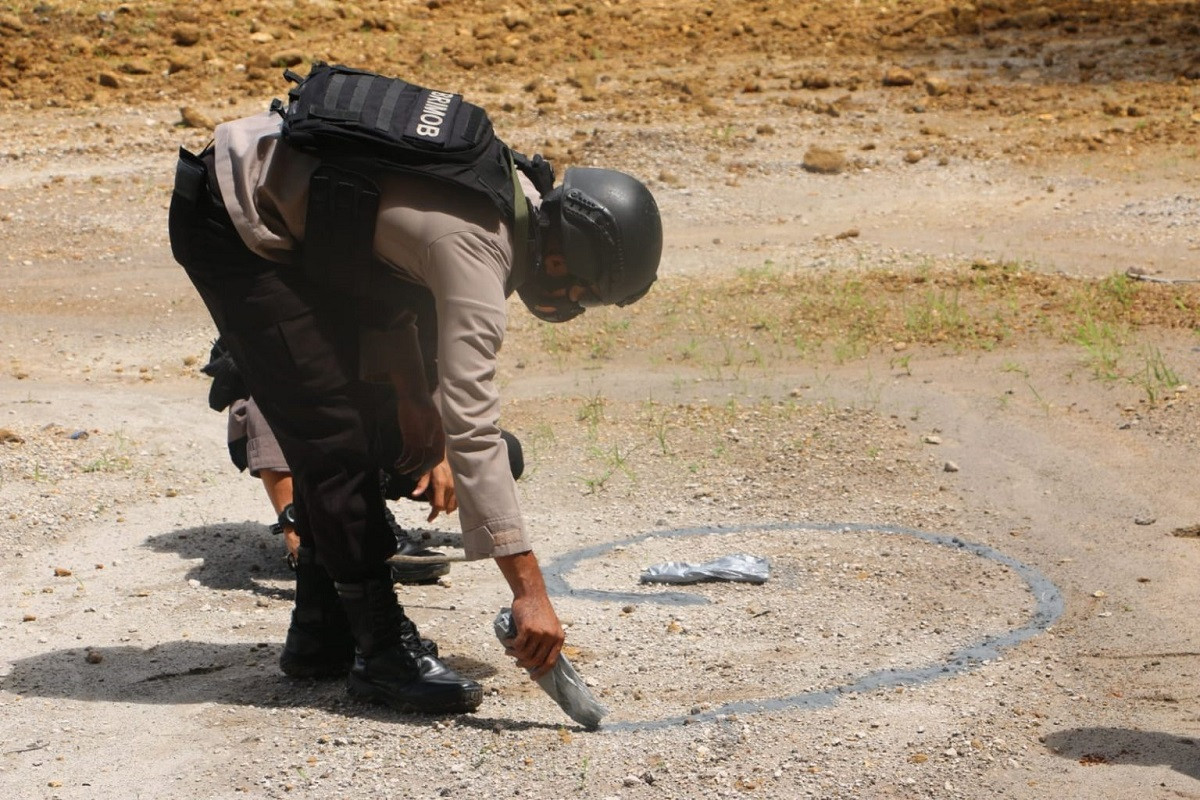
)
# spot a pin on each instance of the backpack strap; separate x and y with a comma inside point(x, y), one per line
point(523, 247)
point(527, 230)
point(339, 231)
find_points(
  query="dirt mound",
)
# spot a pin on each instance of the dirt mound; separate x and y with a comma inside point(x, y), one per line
point(627, 59)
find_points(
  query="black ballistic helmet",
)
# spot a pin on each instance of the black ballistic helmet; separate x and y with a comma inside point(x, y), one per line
point(610, 231)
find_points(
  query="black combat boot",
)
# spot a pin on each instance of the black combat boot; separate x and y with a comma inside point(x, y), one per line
point(392, 664)
point(432, 564)
point(319, 643)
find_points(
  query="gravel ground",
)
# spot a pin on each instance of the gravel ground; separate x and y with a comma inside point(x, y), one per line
point(982, 548)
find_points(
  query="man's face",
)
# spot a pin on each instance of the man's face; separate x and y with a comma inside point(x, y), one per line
point(555, 267)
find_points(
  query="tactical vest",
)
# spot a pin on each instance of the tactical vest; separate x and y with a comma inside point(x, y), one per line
point(361, 123)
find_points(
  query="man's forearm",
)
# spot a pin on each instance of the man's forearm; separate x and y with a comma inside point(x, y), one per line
point(523, 574)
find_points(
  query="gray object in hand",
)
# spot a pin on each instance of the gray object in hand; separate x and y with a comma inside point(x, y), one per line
point(741, 567)
point(562, 683)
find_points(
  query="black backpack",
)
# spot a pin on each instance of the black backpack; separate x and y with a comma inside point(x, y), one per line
point(342, 113)
point(360, 123)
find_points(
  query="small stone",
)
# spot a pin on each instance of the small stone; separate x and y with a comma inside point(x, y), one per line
point(669, 178)
point(287, 58)
point(11, 23)
point(191, 118)
point(936, 87)
point(136, 68)
point(932, 439)
point(92, 657)
point(898, 76)
point(62, 572)
point(186, 35)
point(823, 161)
point(816, 80)
point(950, 466)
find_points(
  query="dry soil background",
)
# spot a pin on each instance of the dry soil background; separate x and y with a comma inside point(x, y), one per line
point(891, 350)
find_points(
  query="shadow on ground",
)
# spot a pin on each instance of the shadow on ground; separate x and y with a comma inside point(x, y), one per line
point(186, 672)
point(233, 556)
point(1098, 746)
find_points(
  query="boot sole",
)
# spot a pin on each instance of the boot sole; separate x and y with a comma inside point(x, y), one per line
point(418, 574)
point(464, 702)
point(418, 569)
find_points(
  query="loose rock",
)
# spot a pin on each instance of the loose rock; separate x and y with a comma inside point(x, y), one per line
point(186, 35)
point(824, 161)
point(191, 118)
point(898, 76)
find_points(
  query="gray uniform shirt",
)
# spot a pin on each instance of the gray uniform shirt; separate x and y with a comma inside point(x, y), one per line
point(436, 235)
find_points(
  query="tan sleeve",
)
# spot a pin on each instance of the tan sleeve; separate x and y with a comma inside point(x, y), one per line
point(454, 243)
point(394, 350)
point(502, 538)
point(472, 311)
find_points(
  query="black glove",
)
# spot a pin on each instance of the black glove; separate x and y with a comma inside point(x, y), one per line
point(227, 385)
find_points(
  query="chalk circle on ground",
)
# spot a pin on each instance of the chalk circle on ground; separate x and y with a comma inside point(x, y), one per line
point(849, 608)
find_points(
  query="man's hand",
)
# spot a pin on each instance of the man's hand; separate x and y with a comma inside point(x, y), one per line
point(540, 636)
point(437, 486)
point(421, 432)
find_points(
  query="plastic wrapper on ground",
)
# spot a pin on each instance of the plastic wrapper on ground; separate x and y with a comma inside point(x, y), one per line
point(741, 568)
point(562, 683)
